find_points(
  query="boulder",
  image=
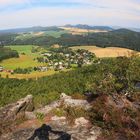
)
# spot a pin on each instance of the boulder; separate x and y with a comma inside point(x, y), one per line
point(81, 122)
point(63, 96)
point(23, 105)
point(12, 113)
point(67, 101)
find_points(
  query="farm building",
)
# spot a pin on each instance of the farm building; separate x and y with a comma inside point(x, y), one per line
point(1, 68)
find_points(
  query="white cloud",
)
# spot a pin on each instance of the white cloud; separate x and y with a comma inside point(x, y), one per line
point(103, 12)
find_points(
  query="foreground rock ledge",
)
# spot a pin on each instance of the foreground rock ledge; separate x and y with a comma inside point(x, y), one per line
point(13, 112)
point(57, 127)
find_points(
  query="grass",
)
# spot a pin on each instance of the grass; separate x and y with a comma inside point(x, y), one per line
point(33, 75)
point(45, 33)
point(24, 36)
point(24, 61)
point(55, 33)
point(22, 48)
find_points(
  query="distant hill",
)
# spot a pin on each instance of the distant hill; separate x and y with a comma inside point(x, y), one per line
point(129, 28)
point(31, 29)
point(119, 38)
point(135, 29)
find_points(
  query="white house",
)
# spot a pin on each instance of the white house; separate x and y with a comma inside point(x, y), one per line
point(1, 68)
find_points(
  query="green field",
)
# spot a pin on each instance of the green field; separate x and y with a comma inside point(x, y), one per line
point(24, 36)
point(55, 34)
point(24, 61)
point(22, 48)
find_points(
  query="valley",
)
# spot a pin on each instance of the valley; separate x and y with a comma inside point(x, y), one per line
point(69, 70)
point(71, 74)
point(28, 59)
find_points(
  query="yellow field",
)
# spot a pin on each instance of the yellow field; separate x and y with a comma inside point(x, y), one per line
point(80, 31)
point(24, 61)
point(33, 75)
point(106, 52)
point(28, 76)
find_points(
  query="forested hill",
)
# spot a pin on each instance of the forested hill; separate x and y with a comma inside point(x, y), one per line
point(121, 38)
point(6, 53)
point(31, 29)
point(117, 38)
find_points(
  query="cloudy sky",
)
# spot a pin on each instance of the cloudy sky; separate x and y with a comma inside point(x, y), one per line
point(24, 13)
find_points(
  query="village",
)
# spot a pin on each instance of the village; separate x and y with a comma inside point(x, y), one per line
point(57, 59)
point(65, 58)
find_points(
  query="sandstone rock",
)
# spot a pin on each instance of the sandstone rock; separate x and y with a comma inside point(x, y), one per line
point(23, 108)
point(56, 118)
point(81, 122)
point(65, 101)
point(68, 101)
point(13, 112)
point(63, 96)
point(49, 107)
point(30, 115)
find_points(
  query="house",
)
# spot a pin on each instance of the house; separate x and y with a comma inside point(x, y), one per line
point(55, 64)
point(47, 54)
point(1, 69)
point(67, 55)
point(43, 68)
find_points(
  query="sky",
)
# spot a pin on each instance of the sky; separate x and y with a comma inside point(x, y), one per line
point(27, 13)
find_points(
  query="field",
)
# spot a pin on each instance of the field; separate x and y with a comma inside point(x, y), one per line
point(55, 34)
point(80, 31)
point(23, 48)
point(28, 76)
point(24, 61)
point(106, 52)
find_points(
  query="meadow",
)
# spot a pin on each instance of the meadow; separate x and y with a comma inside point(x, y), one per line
point(25, 60)
point(52, 33)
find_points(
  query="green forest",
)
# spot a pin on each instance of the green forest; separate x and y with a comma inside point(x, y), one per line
point(6, 53)
point(116, 75)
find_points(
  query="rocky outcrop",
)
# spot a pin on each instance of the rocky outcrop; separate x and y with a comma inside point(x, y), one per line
point(10, 114)
point(65, 101)
point(57, 129)
point(54, 127)
point(68, 101)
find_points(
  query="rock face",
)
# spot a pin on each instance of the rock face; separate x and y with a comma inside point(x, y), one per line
point(68, 101)
point(14, 112)
point(54, 128)
point(58, 129)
